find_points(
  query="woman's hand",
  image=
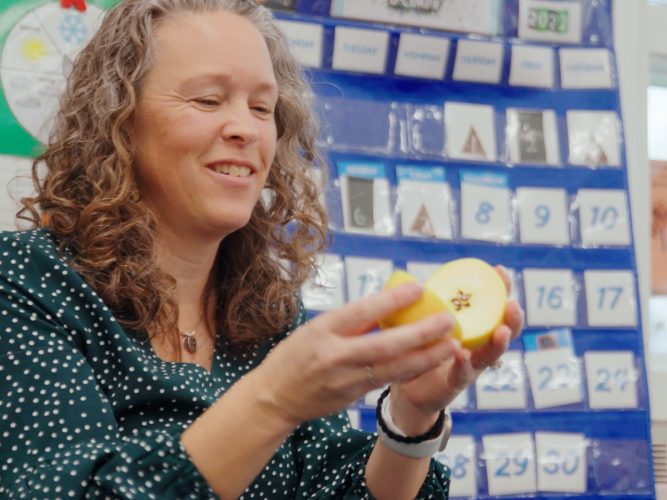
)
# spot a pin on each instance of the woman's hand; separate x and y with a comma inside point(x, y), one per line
point(416, 403)
point(324, 366)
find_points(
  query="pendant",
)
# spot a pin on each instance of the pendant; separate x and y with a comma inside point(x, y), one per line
point(190, 342)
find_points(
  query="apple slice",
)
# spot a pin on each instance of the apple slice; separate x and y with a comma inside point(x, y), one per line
point(428, 304)
point(474, 293)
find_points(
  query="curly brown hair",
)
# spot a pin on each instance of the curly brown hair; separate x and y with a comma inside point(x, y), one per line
point(94, 207)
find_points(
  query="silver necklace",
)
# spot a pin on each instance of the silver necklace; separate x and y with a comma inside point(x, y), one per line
point(190, 342)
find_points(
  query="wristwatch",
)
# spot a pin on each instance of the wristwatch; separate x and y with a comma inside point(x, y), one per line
point(426, 445)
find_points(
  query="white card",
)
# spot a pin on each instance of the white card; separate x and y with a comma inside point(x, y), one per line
point(461, 401)
point(355, 418)
point(555, 377)
point(510, 463)
point(550, 20)
point(366, 276)
point(550, 297)
point(371, 398)
point(479, 16)
point(610, 298)
point(561, 462)
point(461, 458)
point(603, 217)
point(585, 69)
point(543, 216)
point(593, 138)
point(532, 66)
point(470, 131)
point(504, 387)
point(485, 207)
point(422, 270)
point(422, 56)
point(365, 194)
point(424, 200)
point(612, 379)
point(305, 41)
point(532, 136)
point(514, 287)
point(363, 50)
point(325, 290)
point(478, 61)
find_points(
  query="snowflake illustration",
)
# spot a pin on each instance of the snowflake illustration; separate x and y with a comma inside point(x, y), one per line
point(72, 29)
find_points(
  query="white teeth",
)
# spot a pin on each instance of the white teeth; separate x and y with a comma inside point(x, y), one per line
point(233, 170)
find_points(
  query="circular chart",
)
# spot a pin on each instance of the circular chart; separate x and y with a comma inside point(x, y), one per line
point(37, 58)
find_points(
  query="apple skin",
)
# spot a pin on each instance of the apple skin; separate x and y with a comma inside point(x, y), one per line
point(428, 304)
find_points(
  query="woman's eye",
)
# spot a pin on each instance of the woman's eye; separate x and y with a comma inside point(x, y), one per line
point(207, 102)
point(263, 110)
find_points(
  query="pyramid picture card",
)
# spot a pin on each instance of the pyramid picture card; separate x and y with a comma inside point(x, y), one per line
point(470, 131)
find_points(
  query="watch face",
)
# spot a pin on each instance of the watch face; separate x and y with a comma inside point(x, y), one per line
point(38, 42)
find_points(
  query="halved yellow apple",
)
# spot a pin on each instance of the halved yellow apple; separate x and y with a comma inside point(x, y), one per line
point(474, 293)
point(429, 303)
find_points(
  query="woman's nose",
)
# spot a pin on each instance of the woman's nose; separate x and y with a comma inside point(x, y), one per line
point(240, 124)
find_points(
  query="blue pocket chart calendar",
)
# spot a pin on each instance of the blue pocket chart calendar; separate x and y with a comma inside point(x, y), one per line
point(452, 128)
point(492, 129)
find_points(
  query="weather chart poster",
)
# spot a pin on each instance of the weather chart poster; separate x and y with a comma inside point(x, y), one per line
point(39, 41)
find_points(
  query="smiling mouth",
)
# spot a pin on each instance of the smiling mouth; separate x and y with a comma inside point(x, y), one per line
point(232, 170)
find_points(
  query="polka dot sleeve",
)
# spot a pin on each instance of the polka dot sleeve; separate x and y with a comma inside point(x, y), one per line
point(332, 461)
point(59, 437)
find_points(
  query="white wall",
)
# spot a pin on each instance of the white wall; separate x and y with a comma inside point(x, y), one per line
point(640, 31)
point(15, 183)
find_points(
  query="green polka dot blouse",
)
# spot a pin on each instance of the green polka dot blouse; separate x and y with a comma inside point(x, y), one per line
point(87, 410)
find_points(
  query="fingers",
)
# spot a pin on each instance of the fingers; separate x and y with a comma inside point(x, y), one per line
point(514, 318)
point(362, 315)
point(486, 356)
point(414, 363)
point(385, 346)
point(504, 275)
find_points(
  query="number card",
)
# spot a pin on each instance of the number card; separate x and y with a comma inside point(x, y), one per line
point(603, 217)
point(504, 387)
point(461, 458)
point(510, 463)
point(424, 201)
point(325, 290)
point(561, 462)
point(610, 298)
point(555, 377)
point(612, 379)
point(543, 216)
point(365, 196)
point(550, 21)
point(532, 136)
point(593, 138)
point(485, 206)
point(470, 131)
point(422, 270)
point(366, 276)
point(550, 297)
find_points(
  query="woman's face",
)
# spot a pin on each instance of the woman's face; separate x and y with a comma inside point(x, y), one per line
point(205, 129)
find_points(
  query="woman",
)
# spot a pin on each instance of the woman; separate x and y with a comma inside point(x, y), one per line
point(152, 343)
